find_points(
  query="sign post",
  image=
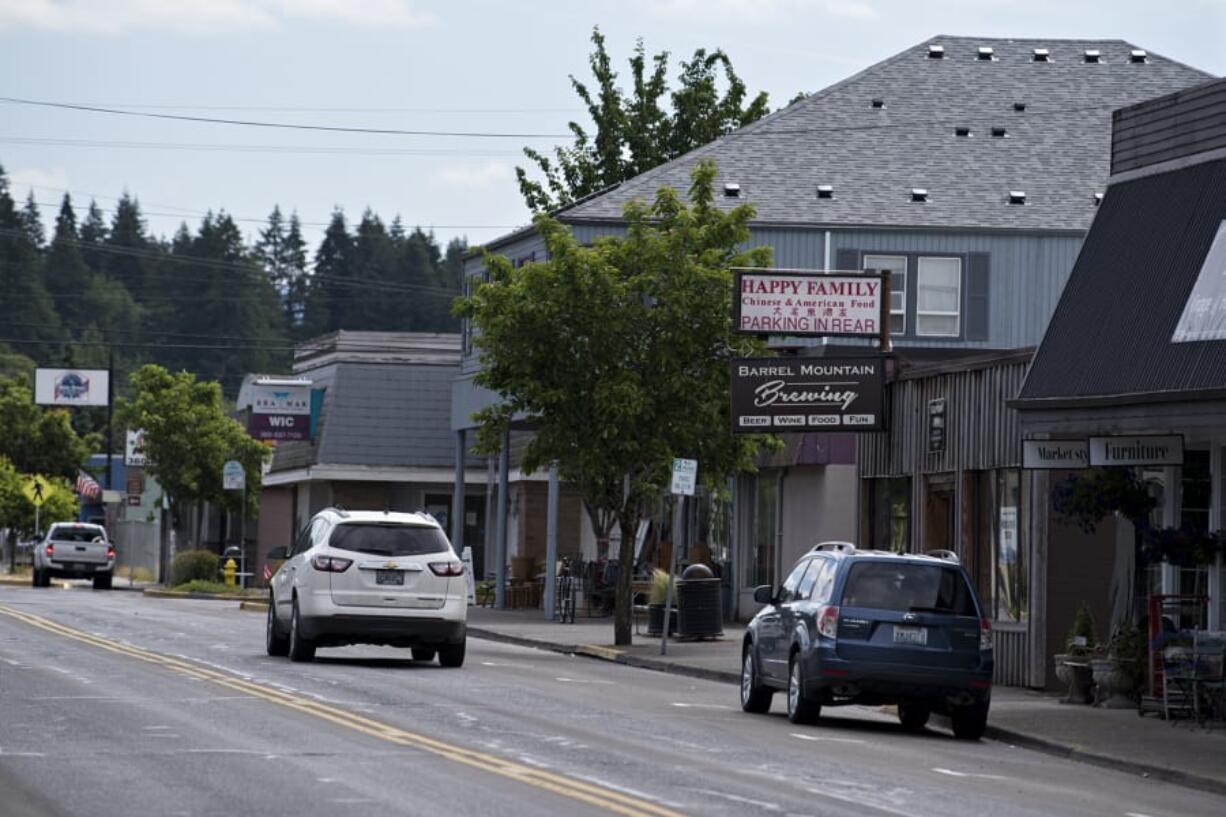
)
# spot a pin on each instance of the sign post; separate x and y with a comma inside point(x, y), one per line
point(685, 477)
point(234, 478)
point(36, 489)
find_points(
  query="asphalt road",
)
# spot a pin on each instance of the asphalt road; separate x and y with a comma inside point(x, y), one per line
point(167, 707)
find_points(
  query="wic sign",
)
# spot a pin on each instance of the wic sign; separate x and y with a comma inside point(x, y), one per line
point(280, 411)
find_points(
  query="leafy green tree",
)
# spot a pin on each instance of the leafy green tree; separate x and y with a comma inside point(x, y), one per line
point(189, 438)
point(38, 440)
point(16, 510)
point(634, 130)
point(619, 356)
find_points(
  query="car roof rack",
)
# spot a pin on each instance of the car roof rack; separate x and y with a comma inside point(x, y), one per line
point(946, 555)
point(833, 547)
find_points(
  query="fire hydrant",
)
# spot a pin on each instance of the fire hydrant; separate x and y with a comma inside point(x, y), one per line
point(228, 571)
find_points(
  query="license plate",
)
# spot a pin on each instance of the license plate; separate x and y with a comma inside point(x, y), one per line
point(389, 577)
point(911, 635)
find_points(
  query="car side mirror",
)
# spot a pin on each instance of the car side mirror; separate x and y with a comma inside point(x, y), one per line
point(280, 553)
point(764, 594)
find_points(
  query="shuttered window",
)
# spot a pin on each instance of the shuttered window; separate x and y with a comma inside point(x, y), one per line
point(938, 300)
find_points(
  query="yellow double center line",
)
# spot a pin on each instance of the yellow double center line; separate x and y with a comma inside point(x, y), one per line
point(594, 795)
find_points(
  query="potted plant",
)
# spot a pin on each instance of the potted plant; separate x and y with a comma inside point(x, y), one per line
point(1073, 665)
point(1118, 676)
point(656, 600)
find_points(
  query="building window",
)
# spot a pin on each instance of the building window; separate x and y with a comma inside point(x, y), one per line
point(891, 513)
point(1195, 486)
point(762, 554)
point(897, 265)
point(938, 299)
point(1012, 564)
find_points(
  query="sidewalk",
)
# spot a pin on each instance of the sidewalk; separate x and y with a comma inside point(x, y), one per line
point(1178, 752)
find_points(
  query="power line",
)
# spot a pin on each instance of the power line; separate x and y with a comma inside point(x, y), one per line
point(282, 125)
point(314, 109)
point(185, 212)
point(324, 150)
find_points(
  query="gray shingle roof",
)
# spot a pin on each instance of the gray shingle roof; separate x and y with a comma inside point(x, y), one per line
point(1057, 150)
point(381, 415)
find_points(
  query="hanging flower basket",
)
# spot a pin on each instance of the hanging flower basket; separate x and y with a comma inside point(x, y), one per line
point(1182, 547)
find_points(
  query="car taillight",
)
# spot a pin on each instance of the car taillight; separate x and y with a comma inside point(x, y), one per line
point(447, 568)
point(828, 621)
point(331, 564)
point(110, 551)
point(50, 550)
point(985, 634)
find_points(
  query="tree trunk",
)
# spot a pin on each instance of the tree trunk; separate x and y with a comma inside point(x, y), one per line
point(622, 614)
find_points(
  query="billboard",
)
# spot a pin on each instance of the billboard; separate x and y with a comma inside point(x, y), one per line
point(786, 302)
point(773, 395)
point(280, 411)
point(71, 387)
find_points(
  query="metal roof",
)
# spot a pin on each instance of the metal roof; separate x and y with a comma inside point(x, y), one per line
point(1057, 149)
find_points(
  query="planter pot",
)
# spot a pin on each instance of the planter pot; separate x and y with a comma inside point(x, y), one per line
point(655, 620)
point(1079, 677)
point(1113, 684)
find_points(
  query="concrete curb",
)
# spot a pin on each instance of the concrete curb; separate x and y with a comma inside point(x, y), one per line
point(996, 733)
point(173, 594)
point(254, 606)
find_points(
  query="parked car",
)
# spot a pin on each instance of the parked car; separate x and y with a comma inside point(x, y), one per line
point(852, 626)
point(74, 550)
point(366, 577)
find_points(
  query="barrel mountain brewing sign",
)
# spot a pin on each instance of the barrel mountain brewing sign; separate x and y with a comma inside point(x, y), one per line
point(808, 304)
point(771, 395)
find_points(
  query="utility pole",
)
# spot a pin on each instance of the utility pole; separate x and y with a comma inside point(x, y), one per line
point(110, 412)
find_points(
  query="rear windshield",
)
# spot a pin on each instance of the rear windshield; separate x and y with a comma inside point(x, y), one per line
point(908, 587)
point(77, 534)
point(389, 540)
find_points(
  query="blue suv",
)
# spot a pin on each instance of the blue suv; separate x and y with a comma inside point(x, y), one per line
point(872, 627)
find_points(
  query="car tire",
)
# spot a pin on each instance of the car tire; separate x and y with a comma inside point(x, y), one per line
point(969, 722)
point(423, 654)
point(913, 717)
point(36, 578)
point(300, 648)
point(755, 697)
point(452, 655)
point(275, 642)
point(801, 709)
point(102, 581)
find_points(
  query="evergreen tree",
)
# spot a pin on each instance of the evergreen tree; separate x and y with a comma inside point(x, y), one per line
point(26, 310)
point(382, 304)
point(326, 292)
point(94, 234)
point(33, 221)
point(67, 276)
point(282, 254)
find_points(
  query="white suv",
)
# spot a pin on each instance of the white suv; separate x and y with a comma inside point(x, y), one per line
point(368, 577)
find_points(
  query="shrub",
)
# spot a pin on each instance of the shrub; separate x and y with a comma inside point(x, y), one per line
point(205, 586)
point(189, 565)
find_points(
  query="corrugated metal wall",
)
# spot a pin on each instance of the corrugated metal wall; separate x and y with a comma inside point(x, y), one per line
point(1170, 127)
point(981, 431)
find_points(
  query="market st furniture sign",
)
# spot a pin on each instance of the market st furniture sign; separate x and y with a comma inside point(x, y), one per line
point(1157, 450)
point(807, 394)
point(1055, 454)
point(71, 387)
point(775, 302)
point(280, 411)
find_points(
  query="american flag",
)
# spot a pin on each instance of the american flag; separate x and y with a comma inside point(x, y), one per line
point(87, 486)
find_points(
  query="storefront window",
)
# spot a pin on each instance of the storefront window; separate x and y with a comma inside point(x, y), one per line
point(1155, 481)
point(1194, 488)
point(891, 514)
point(1011, 590)
point(766, 530)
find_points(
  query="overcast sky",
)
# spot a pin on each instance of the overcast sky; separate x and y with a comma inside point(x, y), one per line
point(464, 65)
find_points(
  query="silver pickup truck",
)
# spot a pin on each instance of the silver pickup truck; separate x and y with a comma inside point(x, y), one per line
point(74, 550)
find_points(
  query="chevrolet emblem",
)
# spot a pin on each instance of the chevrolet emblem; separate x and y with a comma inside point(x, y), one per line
point(389, 565)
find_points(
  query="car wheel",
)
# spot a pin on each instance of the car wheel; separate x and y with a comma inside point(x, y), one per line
point(970, 722)
point(102, 581)
point(300, 648)
point(275, 641)
point(452, 655)
point(913, 717)
point(800, 708)
point(755, 698)
point(423, 654)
